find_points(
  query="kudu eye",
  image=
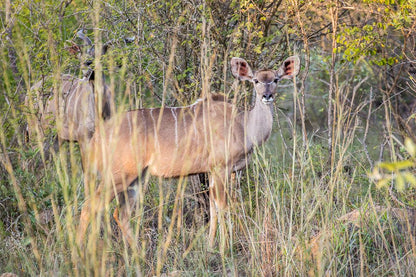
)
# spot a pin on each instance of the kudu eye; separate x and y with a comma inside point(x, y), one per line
point(255, 81)
point(276, 80)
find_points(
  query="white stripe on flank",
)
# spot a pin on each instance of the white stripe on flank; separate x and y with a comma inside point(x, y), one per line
point(73, 91)
point(176, 125)
point(144, 123)
point(184, 122)
point(70, 98)
point(155, 130)
point(194, 124)
point(194, 120)
point(77, 93)
point(145, 127)
point(76, 90)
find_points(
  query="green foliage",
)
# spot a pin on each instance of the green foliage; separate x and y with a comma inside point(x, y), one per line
point(400, 174)
point(378, 36)
point(400, 171)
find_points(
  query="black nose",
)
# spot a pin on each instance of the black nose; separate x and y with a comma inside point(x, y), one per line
point(268, 96)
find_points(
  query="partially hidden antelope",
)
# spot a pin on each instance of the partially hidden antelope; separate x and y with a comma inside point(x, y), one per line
point(72, 106)
point(72, 103)
point(211, 136)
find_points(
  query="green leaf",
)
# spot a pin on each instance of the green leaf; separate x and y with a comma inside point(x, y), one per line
point(375, 174)
point(383, 182)
point(410, 147)
point(400, 184)
point(410, 178)
point(396, 165)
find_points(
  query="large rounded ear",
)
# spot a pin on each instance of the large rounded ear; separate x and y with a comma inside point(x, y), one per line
point(289, 68)
point(241, 69)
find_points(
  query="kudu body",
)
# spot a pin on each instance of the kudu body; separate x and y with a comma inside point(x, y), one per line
point(72, 103)
point(72, 106)
point(211, 136)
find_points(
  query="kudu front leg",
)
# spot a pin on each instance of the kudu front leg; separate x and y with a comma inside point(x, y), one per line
point(217, 206)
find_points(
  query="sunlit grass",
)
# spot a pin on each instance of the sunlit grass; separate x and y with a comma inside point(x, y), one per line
point(274, 215)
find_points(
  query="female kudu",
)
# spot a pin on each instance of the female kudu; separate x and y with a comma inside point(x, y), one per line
point(211, 136)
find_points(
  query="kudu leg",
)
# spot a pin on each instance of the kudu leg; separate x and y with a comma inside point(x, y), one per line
point(94, 204)
point(89, 206)
point(217, 205)
point(87, 209)
point(122, 216)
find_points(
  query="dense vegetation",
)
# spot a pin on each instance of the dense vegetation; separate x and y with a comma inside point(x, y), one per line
point(315, 198)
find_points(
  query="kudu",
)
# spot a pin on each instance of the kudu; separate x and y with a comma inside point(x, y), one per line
point(72, 104)
point(211, 136)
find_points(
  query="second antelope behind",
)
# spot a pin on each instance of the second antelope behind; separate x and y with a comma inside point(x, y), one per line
point(211, 136)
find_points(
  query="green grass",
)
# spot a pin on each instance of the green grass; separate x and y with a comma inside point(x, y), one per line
point(278, 207)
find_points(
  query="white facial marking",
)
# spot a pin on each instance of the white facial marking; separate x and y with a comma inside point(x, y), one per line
point(267, 102)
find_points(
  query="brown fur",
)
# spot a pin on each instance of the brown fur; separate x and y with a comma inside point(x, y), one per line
point(73, 110)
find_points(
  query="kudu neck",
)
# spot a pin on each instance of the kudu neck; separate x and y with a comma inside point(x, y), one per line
point(106, 102)
point(258, 122)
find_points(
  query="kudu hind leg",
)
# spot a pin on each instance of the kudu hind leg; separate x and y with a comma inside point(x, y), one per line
point(87, 210)
point(94, 204)
point(122, 215)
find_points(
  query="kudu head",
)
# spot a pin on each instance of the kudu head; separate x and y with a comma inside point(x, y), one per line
point(265, 81)
point(90, 52)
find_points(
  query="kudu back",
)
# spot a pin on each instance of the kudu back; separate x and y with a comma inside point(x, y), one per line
point(211, 136)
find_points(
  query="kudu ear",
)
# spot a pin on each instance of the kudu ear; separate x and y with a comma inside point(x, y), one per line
point(241, 69)
point(74, 49)
point(289, 68)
